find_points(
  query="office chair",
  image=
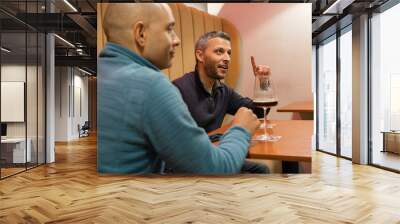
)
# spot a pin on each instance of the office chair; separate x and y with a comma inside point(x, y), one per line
point(84, 130)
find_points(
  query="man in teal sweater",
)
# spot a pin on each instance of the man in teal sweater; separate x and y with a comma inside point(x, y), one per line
point(142, 119)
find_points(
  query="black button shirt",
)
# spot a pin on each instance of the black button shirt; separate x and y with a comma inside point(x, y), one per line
point(209, 110)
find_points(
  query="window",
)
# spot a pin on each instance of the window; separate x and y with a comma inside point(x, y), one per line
point(327, 95)
point(385, 87)
point(346, 92)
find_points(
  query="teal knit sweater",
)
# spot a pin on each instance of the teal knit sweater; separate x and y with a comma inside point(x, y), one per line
point(143, 122)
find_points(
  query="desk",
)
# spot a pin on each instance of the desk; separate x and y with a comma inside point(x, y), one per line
point(13, 150)
point(295, 144)
point(302, 109)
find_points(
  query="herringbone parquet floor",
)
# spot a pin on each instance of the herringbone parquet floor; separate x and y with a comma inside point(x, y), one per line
point(71, 191)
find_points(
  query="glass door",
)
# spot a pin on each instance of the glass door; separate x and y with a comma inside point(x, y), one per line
point(327, 96)
point(385, 89)
point(346, 92)
point(22, 63)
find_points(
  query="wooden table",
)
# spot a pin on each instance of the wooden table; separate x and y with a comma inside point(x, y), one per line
point(295, 144)
point(302, 109)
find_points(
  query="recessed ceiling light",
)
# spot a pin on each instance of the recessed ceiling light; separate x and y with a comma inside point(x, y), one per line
point(337, 7)
point(5, 50)
point(70, 5)
point(64, 40)
point(84, 71)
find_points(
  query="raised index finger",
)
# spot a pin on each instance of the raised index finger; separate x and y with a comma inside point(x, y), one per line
point(253, 63)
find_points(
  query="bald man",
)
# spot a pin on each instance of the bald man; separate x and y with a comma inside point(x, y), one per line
point(142, 119)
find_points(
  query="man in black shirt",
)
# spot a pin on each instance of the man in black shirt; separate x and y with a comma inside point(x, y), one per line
point(207, 98)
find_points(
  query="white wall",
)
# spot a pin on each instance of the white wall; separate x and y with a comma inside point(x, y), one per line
point(70, 84)
point(214, 8)
point(278, 35)
point(61, 103)
point(79, 117)
point(13, 72)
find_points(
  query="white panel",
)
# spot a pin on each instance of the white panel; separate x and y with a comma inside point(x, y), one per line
point(214, 8)
point(12, 101)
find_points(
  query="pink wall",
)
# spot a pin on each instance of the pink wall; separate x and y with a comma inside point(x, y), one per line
point(278, 35)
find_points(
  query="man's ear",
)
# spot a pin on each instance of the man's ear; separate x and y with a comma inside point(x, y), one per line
point(139, 33)
point(199, 55)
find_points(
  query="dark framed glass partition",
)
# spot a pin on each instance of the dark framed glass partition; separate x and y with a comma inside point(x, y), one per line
point(326, 95)
point(334, 94)
point(22, 78)
point(385, 87)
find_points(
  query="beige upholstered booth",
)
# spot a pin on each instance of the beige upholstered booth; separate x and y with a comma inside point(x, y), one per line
point(190, 25)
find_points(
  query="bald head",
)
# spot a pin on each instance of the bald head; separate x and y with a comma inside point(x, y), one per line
point(144, 28)
point(120, 18)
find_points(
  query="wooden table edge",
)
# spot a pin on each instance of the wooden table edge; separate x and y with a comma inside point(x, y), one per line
point(283, 158)
point(296, 110)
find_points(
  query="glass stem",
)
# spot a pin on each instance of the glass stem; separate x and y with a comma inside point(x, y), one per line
point(265, 121)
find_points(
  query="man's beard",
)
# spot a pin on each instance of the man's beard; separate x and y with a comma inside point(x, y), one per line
point(211, 71)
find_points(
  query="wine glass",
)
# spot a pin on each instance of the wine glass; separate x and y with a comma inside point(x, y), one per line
point(264, 97)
